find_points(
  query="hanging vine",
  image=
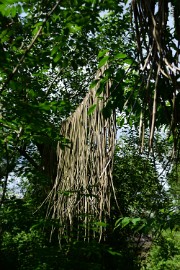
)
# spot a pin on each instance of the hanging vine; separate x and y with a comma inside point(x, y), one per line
point(157, 24)
point(82, 189)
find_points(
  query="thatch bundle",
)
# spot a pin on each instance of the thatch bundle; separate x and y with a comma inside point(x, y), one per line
point(82, 189)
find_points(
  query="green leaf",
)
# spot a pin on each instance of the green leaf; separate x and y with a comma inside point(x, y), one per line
point(128, 61)
point(101, 224)
point(103, 61)
point(91, 109)
point(102, 53)
point(120, 56)
point(125, 221)
point(94, 83)
point(118, 222)
point(73, 28)
point(54, 50)
point(36, 28)
point(135, 220)
point(13, 12)
point(107, 110)
point(58, 57)
point(100, 90)
point(114, 253)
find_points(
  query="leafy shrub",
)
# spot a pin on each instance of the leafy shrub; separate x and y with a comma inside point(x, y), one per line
point(164, 255)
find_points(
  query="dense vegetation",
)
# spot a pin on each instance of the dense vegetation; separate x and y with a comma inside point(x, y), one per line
point(49, 54)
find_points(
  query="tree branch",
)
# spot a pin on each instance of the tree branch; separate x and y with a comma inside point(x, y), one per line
point(29, 158)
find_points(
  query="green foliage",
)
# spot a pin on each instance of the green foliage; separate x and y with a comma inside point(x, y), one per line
point(138, 184)
point(43, 80)
point(25, 232)
point(164, 254)
point(135, 224)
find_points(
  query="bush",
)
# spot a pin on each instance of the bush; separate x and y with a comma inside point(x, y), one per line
point(164, 255)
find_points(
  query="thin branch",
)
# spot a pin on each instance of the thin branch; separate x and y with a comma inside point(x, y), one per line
point(29, 158)
point(53, 81)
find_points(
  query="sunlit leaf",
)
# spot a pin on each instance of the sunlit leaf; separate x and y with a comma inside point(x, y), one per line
point(57, 57)
point(92, 109)
point(103, 61)
point(94, 83)
point(120, 56)
point(102, 53)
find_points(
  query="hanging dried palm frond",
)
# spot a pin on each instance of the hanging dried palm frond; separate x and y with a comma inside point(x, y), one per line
point(159, 64)
point(82, 189)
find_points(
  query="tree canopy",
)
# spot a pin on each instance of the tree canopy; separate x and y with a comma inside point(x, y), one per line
point(50, 53)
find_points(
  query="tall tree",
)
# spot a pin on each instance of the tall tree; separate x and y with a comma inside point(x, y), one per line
point(50, 54)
